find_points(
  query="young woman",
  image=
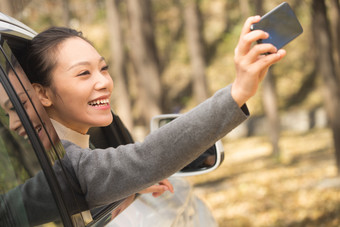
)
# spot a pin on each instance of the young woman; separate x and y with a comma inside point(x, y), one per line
point(73, 83)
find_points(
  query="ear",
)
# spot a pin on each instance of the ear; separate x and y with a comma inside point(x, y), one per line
point(43, 94)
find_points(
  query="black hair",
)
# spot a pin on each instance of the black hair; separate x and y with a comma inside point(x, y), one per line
point(40, 58)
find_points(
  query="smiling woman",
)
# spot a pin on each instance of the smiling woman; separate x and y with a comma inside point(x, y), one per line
point(72, 82)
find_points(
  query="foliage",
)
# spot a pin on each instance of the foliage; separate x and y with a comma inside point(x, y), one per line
point(222, 23)
point(251, 189)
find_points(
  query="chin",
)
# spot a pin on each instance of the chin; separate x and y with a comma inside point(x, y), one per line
point(105, 122)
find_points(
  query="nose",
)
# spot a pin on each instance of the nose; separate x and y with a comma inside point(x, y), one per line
point(103, 81)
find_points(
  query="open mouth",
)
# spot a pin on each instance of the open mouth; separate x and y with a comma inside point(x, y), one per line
point(100, 102)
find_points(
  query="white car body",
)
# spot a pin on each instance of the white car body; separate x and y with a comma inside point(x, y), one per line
point(179, 209)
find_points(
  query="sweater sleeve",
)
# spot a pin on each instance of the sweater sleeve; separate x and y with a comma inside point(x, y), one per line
point(107, 175)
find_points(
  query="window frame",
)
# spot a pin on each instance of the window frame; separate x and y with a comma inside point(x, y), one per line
point(35, 141)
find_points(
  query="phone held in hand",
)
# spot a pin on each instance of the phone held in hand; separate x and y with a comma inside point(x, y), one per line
point(281, 24)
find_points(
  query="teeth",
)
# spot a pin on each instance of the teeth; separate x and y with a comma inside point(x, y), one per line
point(99, 102)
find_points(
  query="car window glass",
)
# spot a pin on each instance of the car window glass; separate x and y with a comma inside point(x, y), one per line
point(23, 186)
point(28, 180)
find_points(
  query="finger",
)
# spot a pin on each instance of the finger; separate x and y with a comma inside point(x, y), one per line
point(156, 194)
point(246, 43)
point(167, 184)
point(159, 192)
point(170, 187)
point(154, 188)
point(243, 43)
point(266, 61)
point(248, 23)
point(259, 51)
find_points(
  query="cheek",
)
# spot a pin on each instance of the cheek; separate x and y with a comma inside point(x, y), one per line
point(66, 94)
point(111, 84)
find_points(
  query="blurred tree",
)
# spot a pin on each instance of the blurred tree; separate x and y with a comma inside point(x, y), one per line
point(270, 104)
point(326, 68)
point(5, 7)
point(145, 58)
point(244, 7)
point(66, 13)
point(118, 61)
point(335, 7)
point(12, 7)
point(269, 99)
point(258, 7)
point(196, 45)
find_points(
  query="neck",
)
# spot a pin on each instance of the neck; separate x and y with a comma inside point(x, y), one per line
point(82, 131)
point(65, 133)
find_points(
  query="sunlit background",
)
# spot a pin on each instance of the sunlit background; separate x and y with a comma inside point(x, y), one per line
point(167, 56)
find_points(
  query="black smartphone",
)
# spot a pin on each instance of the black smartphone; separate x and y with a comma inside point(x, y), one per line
point(281, 24)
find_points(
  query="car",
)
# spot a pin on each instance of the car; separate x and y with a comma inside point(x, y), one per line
point(36, 186)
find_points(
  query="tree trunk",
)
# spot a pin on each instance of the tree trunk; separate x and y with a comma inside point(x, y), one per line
point(258, 7)
point(12, 7)
point(145, 58)
point(6, 7)
point(66, 13)
point(122, 101)
point(195, 41)
point(269, 98)
point(244, 7)
point(336, 34)
point(326, 67)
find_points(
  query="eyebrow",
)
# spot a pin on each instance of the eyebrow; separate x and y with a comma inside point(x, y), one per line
point(8, 102)
point(84, 63)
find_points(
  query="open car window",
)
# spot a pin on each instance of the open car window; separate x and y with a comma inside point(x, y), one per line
point(25, 195)
point(34, 185)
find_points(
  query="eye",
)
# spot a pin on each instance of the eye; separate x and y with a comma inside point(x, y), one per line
point(105, 68)
point(84, 73)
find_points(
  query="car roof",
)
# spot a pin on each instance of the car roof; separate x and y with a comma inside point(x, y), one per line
point(16, 34)
point(12, 27)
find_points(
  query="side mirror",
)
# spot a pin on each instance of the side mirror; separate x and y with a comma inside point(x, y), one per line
point(206, 162)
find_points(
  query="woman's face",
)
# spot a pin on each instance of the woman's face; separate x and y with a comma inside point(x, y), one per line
point(81, 87)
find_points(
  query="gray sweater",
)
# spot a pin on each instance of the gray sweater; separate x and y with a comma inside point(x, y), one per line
point(125, 170)
point(102, 176)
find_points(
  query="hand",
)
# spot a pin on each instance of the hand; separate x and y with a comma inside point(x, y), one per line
point(159, 189)
point(251, 61)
